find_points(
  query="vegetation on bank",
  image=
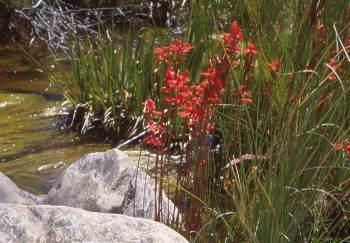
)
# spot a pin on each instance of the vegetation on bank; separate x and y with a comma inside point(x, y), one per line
point(253, 96)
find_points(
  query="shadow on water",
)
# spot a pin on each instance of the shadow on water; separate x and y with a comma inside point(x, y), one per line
point(29, 135)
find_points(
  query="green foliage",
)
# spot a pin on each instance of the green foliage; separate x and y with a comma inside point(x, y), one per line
point(295, 186)
point(111, 77)
point(294, 195)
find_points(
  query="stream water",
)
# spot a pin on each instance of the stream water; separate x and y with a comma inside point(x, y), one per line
point(29, 135)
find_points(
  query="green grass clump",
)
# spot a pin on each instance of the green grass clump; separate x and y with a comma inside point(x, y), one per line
point(111, 77)
point(299, 192)
point(281, 169)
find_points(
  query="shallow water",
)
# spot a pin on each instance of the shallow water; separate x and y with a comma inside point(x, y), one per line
point(29, 135)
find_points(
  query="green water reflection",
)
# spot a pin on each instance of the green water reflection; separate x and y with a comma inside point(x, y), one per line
point(29, 137)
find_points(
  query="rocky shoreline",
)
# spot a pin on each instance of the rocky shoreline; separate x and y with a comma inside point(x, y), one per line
point(102, 197)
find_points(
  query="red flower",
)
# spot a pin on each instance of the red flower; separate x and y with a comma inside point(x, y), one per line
point(202, 163)
point(150, 105)
point(154, 138)
point(184, 114)
point(243, 95)
point(236, 31)
point(154, 141)
point(250, 50)
point(275, 65)
point(154, 127)
point(347, 41)
point(162, 54)
point(246, 99)
point(175, 87)
point(180, 47)
point(342, 146)
point(347, 148)
point(173, 52)
point(338, 147)
point(333, 64)
point(321, 28)
point(210, 73)
point(232, 39)
point(195, 104)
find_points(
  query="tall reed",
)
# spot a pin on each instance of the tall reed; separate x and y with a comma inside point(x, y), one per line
point(280, 172)
point(268, 158)
point(111, 76)
point(284, 175)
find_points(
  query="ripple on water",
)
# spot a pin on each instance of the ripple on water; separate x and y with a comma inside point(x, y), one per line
point(28, 140)
point(3, 104)
point(9, 99)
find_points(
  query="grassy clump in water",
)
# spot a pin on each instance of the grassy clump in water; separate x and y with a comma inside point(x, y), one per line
point(110, 80)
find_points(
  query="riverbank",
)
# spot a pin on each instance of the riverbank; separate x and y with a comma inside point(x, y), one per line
point(30, 128)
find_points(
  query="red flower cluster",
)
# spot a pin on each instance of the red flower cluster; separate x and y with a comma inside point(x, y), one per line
point(206, 96)
point(187, 111)
point(343, 146)
point(176, 87)
point(321, 28)
point(242, 92)
point(232, 39)
point(155, 138)
point(150, 106)
point(175, 52)
point(243, 95)
point(333, 64)
point(347, 41)
point(156, 130)
point(195, 104)
point(250, 50)
point(275, 65)
point(319, 38)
